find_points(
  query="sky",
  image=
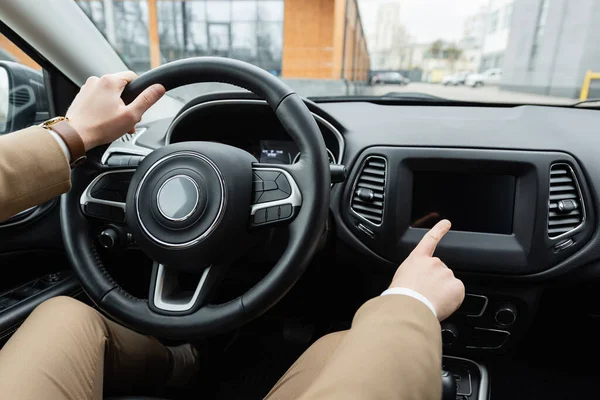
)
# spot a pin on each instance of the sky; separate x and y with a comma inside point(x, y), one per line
point(426, 20)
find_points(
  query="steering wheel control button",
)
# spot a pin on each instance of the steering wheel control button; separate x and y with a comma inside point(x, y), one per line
point(273, 214)
point(270, 186)
point(285, 211)
point(267, 175)
point(283, 184)
point(178, 197)
point(260, 217)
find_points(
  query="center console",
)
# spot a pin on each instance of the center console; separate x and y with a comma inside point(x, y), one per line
point(513, 212)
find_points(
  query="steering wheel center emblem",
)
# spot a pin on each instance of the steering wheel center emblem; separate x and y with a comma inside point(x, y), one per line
point(178, 197)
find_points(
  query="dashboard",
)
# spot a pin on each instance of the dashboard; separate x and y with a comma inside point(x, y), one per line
point(515, 181)
point(254, 129)
point(521, 185)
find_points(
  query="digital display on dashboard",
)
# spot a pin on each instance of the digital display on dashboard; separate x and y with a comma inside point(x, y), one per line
point(276, 152)
point(472, 202)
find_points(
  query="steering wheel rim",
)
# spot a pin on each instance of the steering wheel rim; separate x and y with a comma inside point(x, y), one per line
point(311, 175)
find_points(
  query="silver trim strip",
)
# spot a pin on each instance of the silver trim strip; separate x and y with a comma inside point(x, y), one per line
point(86, 196)
point(327, 124)
point(362, 166)
point(576, 180)
point(161, 189)
point(220, 212)
point(487, 347)
point(484, 383)
point(295, 198)
point(163, 284)
point(297, 157)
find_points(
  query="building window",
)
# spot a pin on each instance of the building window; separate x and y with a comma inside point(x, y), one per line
point(248, 30)
point(508, 11)
point(493, 22)
point(539, 33)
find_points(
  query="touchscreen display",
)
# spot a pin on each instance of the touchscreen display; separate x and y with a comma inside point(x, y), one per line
point(472, 202)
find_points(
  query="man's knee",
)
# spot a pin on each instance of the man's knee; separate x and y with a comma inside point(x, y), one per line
point(330, 341)
point(69, 313)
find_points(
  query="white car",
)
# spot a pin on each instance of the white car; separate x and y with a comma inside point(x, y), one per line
point(454, 79)
point(489, 77)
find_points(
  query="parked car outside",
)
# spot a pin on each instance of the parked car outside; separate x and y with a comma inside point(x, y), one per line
point(455, 79)
point(489, 77)
point(395, 78)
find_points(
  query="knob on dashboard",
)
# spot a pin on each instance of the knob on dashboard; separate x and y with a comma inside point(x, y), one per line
point(449, 334)
point(506, 315)
point(108, 238)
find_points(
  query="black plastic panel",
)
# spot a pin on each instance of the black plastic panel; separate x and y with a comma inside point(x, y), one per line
point(527, 250)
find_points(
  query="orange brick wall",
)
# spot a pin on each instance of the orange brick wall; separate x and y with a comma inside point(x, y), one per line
point(313, 40)
point(17, 53)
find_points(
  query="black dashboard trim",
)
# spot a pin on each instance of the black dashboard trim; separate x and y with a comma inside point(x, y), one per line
point(210, 103)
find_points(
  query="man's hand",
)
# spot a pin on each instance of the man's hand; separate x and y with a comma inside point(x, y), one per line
point(99, 115)
point(429, 276)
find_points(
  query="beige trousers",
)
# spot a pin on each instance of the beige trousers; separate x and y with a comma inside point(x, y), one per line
point(68, 350)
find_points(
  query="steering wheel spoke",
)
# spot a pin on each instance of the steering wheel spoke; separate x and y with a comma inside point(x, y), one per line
point(276, 197)
point(105, 197)
point(171, 292)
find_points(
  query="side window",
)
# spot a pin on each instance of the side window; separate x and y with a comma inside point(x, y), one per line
point(23, 97)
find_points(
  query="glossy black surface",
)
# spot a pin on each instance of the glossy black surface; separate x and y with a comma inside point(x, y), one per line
point(473, 202)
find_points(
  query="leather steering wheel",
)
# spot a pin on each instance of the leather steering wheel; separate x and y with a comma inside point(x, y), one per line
point(195, 206)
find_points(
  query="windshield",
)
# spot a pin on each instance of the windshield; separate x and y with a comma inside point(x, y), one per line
point(509, 51)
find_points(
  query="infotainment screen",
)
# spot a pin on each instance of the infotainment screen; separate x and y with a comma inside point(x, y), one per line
point(472, 202)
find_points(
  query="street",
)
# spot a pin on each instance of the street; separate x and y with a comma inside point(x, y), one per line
point(466, 93)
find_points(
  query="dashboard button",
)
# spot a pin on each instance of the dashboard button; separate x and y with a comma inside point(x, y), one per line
point(565, 244)
point(283, 184)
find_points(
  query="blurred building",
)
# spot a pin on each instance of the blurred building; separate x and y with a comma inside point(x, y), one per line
point(388, 38)
point(291, 38)
point(472, 40)
point(552, 44)
point(497, 29)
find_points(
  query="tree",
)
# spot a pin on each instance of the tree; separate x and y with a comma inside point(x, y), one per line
point(452, 54)
point(436, 48)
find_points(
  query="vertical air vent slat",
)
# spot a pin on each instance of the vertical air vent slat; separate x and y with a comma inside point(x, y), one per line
point(369, 191)
point(566, 210)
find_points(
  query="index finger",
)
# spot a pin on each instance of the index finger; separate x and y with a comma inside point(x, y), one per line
point(431, 239)
point(126, 77)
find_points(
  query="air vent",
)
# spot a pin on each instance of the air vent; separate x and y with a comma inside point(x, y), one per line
point(369, 191)
point(566, 210)
point(19, 97)
point(128, 137)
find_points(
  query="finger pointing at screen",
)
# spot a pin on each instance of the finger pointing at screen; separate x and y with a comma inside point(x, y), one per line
point(429, 276)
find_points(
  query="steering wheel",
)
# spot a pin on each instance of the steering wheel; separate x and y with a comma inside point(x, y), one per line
point(194, 207)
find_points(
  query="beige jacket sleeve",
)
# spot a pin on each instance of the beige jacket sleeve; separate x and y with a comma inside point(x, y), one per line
point(33, 169)
point(392, 351)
